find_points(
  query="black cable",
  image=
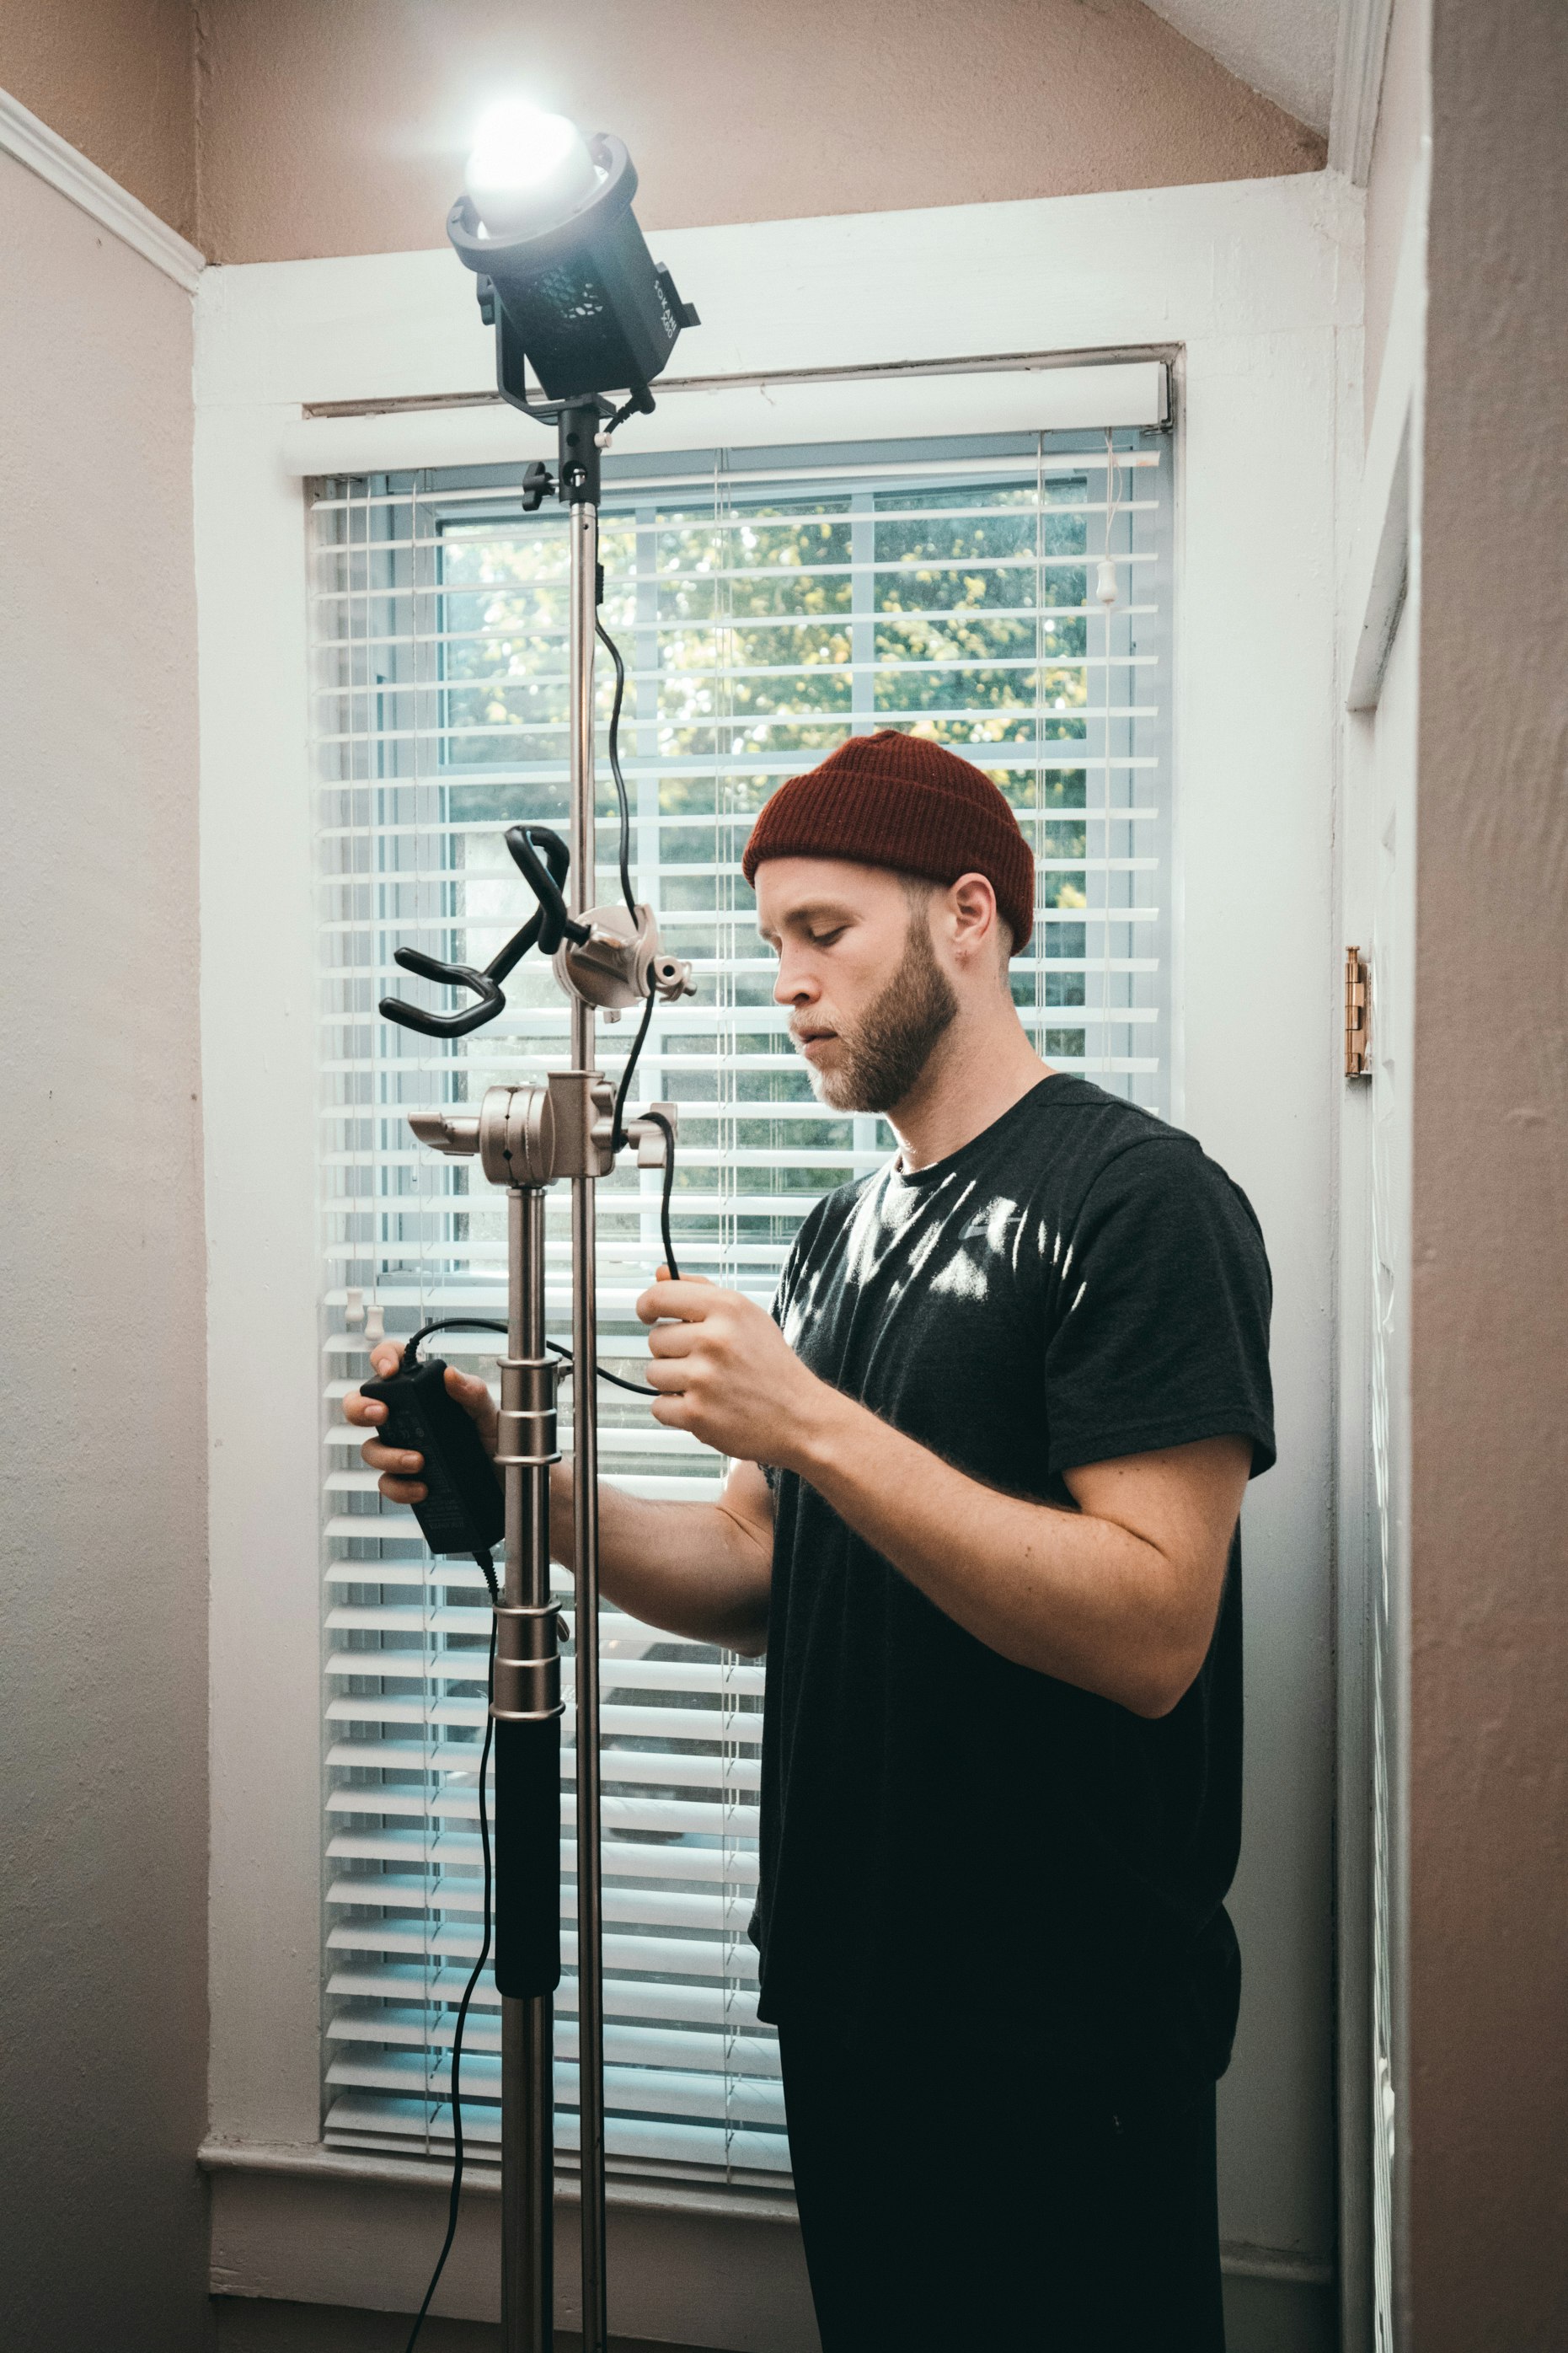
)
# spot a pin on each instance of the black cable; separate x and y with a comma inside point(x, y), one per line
point(656, 1119)
point(490, 1324)
point(474, 1975)
point(666, 1190)
point(637, 1388)
point(641, 402)
point(618, 1134)
point(614, 653)
point(448, 1323)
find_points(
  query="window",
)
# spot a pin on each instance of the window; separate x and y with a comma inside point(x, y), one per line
point(766, 605)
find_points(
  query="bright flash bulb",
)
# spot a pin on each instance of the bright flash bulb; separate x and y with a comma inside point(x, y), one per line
point(528, 169)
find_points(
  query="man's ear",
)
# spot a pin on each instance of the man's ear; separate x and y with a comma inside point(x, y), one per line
point(972, 900)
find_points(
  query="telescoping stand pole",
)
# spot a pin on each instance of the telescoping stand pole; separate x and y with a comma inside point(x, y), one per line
point(580, 478)
point(526, 1709)
point(526, 1136)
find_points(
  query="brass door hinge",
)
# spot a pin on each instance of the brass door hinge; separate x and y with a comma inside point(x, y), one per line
point(1358, 1017)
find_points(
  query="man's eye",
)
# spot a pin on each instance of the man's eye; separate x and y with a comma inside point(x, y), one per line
point(826, 939)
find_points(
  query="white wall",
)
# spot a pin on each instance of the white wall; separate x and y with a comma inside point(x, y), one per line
point(1257, 287)
point(1396, 168)
point(104, 1823)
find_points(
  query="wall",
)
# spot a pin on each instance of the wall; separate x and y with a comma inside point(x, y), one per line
point(1487, 1987)
point(103, 1826)
point(117, 78)
point(271, 130)
point(342, 130)
point(1395, 154)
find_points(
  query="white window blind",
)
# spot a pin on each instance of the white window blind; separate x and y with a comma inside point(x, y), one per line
point(765, 607)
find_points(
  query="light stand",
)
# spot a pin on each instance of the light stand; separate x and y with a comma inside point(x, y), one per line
point(564, 278)
point(528, 1137)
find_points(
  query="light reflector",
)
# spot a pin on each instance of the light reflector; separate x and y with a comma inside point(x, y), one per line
point(528, 169)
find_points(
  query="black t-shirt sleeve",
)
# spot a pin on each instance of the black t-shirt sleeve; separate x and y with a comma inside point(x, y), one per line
point(1161, 1331)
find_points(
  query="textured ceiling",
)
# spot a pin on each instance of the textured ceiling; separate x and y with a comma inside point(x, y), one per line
point(1283, 47)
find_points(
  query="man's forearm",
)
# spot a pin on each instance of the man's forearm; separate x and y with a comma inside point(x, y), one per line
point(692, 1568)
point(1119, 1597)
point(1068, 1593)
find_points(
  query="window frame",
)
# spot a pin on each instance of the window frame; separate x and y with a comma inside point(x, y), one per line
point(1261, 340)
point(388, 700)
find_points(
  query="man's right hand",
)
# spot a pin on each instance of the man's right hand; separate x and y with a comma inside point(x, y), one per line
point(399, 1481)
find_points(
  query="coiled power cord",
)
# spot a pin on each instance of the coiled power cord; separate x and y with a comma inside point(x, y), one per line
point(484, 1559)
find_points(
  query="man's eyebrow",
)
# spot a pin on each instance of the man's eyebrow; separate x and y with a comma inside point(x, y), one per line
point(813, 910)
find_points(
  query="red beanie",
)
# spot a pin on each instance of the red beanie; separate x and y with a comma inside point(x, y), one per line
point(898, 800)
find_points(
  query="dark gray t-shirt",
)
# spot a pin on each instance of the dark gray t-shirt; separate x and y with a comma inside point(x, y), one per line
point(940, 1825)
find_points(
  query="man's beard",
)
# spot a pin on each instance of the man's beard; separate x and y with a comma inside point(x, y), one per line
point(889, 1046)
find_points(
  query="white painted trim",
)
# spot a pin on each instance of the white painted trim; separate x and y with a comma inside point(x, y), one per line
point(1141, 271)
point(54, 159)
point(1385, 585)
point(319, 2162)
point(260, 1011)
point(1382, 585)
point(1378, 554)
point(677, 2274)
point(1258, 285)
point(1358, 86)
point(677, 2271)
point(751, 414)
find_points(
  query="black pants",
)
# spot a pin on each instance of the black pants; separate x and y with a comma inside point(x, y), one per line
point(949, 2199)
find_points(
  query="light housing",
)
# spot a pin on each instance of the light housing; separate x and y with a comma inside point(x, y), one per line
point(578, 294)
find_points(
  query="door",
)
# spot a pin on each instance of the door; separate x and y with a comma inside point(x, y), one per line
point(1374, 1369)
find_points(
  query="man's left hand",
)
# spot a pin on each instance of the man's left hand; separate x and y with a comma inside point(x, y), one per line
point(725, 1371)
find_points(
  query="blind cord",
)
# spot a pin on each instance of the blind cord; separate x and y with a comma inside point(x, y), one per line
point(474, 1975)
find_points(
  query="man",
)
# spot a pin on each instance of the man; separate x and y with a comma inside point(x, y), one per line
point(988, 1463)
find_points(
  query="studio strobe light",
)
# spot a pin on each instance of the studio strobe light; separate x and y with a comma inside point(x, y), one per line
point(563, 275)
point(546, 223)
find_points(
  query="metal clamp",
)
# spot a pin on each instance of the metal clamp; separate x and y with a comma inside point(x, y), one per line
point(648, 1132)
point(621, 962)
point(531, 1134)
point(526, 1424)
point(582, 1108)
point(527, 1687)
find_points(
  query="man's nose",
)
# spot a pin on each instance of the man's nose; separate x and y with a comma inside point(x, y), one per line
point(794, 986)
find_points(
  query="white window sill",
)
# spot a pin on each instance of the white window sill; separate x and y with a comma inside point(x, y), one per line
point(315, 2160)
point(688, 2263)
